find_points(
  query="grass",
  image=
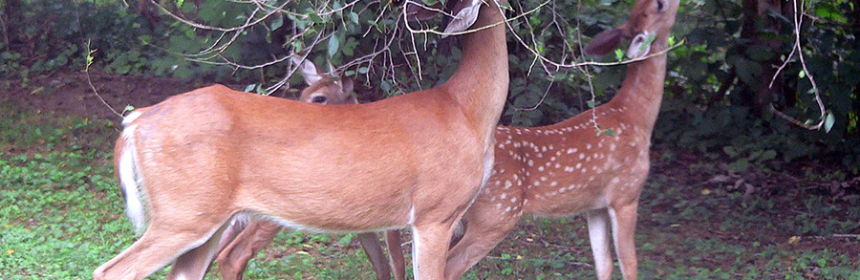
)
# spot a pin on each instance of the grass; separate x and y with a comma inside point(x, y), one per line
point(62, 216)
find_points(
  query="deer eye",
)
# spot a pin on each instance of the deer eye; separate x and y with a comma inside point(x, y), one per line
point(660, 5)
point(319, 99)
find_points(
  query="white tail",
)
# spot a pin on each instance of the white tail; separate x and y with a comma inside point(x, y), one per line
point(415, 160)
point(566, 168)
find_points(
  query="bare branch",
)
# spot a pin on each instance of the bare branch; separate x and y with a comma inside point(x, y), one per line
point(797, 49)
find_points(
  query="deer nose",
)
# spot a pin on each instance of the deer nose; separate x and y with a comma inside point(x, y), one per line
point(319, 99)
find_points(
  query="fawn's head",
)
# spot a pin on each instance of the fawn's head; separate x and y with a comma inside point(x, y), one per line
point(324, 87)
point(649, 24)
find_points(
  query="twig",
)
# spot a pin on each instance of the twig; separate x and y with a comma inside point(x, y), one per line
point(90, 81)
point(796, 49)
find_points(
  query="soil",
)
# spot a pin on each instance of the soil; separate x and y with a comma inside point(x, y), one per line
point(71, 93)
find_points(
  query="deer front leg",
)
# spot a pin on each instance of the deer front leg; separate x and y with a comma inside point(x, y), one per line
point(429, 249)
point(623, 228)
point(599, 236)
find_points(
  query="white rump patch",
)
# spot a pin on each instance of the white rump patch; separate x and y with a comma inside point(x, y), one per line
point(131, 180)
point(131, 117)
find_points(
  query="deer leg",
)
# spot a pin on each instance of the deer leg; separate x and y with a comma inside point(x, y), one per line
point(235, 256)
point(623, 228)
point(599, 236)
point(429, 249)
point(395, 254)
point(194, 263)
point(480, 238)
point(370, 242)
point(159, 245)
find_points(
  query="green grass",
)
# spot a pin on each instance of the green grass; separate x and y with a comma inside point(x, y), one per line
point(62, 216)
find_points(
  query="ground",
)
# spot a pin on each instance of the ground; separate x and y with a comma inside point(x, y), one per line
point(697, 220)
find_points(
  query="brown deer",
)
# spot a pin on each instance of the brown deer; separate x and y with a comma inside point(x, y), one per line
point(191, 163)
point(566, 169)
point(246, 236)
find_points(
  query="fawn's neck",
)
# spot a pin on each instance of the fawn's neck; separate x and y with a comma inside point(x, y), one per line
point(642, 91)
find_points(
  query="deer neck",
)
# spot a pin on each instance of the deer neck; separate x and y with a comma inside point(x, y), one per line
point(480, 84)
point(642, 91)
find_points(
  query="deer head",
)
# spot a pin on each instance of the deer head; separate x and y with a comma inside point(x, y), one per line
point(324, 87)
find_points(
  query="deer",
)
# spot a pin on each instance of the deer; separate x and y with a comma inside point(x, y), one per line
point(191, 163)
point(567, 169)
point(246, 236)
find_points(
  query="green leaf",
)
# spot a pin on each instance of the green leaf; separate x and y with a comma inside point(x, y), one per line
point(333, 46)
point(315, 17)
point(590, 103)
point(279, 21)
point(829, 12)
point(250, 88)
point(353, 17)
point(731, 151)
point(828, 122)
point(741, 164)
point(768, 155)
point(346, 239)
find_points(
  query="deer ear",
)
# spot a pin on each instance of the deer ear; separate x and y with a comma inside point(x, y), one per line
point(466, 13)
point(640, 45)
point(348, 86)
point(604, 43)
point(309, 71)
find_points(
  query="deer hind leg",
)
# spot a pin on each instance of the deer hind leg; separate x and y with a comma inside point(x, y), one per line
point(373, 248)
point(623, 229)
point(480, 238)
point(233, 258)
point(599, 236)
point(160, 245)
point(395, 254)
point(194, 263)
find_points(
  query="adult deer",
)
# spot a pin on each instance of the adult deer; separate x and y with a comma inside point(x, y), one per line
point(566, 169)
point(191, 163)
point(246, 236)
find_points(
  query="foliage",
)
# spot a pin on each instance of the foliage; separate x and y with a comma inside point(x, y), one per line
point(720, 87)
point(44, 36)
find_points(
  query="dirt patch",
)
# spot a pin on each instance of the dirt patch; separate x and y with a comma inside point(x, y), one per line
point(71, 94)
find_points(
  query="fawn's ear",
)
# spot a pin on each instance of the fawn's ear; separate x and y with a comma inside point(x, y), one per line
point(347, 85)
point(605, 42)
point(309, 71)
point(640, 45)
